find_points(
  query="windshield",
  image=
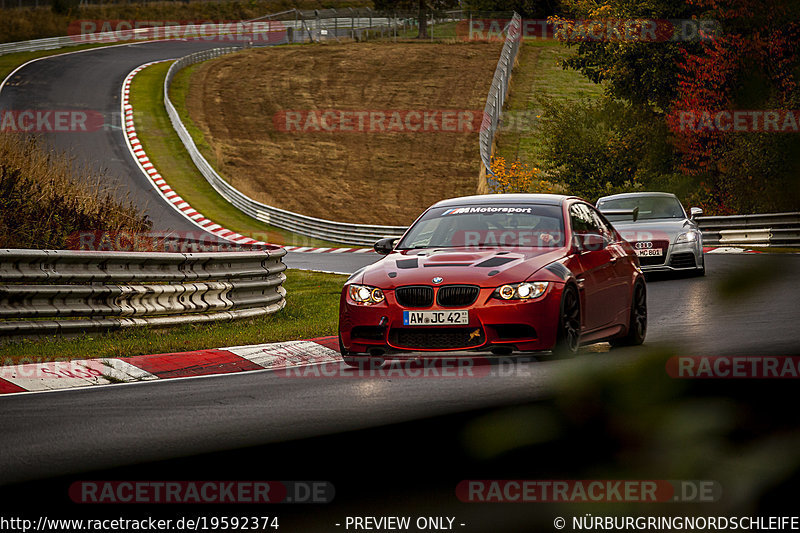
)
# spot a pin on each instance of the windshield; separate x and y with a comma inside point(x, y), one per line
point(650, 207)
point(514, 225)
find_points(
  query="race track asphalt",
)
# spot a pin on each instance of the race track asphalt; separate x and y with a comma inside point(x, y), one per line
point(746, 305)
point(91, 81)
point(63, 432)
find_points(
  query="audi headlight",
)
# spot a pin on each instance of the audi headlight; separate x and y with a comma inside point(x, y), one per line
point(688, 237)
point(365, 294)
point(521, 291)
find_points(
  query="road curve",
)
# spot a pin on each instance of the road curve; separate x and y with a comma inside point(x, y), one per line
point(91, 81)
point(746, 305)
point(61, 432)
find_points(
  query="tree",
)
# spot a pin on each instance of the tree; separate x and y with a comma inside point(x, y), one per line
point(537, 9)
point(749, 62)
point(514, 177)
point(642, 69)
point(754, 66)
point(421, 7)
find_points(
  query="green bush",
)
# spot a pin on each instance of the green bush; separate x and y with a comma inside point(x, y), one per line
point(603, 146)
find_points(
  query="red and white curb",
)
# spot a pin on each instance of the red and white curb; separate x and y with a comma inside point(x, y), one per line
point(306, 249)
point(40, 377)
point(728, 250)
point(172, 197)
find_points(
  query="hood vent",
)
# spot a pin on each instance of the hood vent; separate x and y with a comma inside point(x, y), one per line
point(495, 262)
point(407, 263)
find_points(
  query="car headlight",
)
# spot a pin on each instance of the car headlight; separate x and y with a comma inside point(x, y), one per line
point(365, 294)
point(521, 291)
point(688, 237)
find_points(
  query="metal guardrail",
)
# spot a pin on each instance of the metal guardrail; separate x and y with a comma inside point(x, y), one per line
point(61, 292)
point(773, 229)
point(242, 32)
point(493, 110)
point(341, 232)
point(304, 26)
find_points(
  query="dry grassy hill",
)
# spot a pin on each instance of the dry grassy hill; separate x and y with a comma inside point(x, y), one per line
point(245, 103)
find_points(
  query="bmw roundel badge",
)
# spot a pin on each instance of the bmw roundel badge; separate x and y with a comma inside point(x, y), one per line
point(437, 279)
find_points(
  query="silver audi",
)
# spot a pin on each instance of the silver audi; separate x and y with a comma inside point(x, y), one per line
point(656, 224)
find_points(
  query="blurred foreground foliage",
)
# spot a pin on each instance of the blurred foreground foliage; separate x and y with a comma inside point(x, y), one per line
point(633, 421)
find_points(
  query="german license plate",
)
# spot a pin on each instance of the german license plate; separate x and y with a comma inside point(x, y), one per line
point(649, 252)
point(435, 318)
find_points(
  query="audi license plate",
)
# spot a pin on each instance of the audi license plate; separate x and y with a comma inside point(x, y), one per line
point(435, 318)
point(645, 249)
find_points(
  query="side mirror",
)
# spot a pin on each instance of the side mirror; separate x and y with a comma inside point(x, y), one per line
point(590, 242)
point(695, 212)
point(385, 246)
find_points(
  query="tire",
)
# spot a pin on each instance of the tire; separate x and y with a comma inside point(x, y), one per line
point(637, 323)
point(568, 334)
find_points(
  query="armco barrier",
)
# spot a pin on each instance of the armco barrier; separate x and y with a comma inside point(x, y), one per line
point(497, 94)
point(49, 292)
point(298, 26)
point(203, 31)
point(342, 232)
point(772, 229)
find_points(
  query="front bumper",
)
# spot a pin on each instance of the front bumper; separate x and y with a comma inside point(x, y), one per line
point(521, 325)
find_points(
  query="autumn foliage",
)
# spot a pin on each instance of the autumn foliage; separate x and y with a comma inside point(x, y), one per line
point(753, 65)
point(514, 177)
point(747, 61)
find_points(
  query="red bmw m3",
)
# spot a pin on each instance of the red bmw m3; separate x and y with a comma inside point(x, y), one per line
point(497, 273)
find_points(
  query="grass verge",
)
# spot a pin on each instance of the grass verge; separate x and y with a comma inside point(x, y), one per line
point(538, 75)
point(166, 151)
point(312, 301)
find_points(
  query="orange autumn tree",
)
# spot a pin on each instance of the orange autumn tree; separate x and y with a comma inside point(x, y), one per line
point(511, 177)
